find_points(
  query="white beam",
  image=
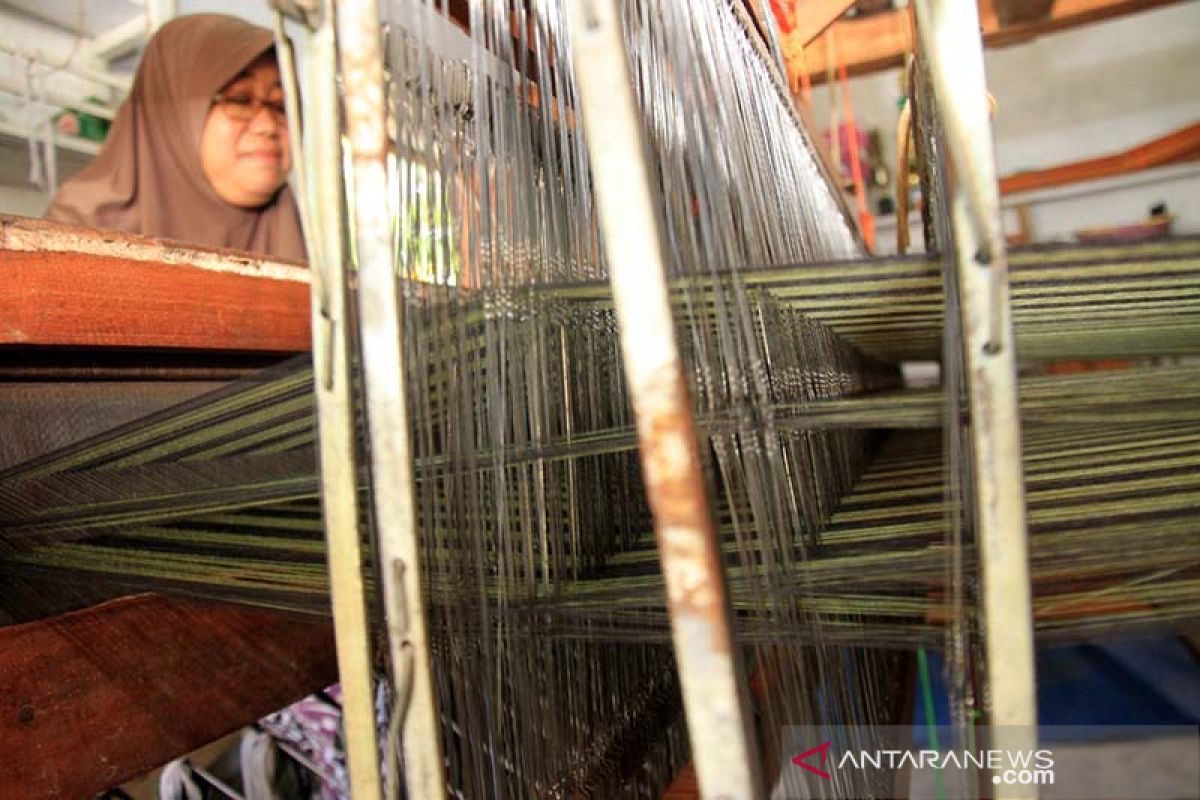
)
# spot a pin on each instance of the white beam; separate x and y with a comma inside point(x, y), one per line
point(63, 99)
point(117, 41)
point(105, 78)
point(160, 12)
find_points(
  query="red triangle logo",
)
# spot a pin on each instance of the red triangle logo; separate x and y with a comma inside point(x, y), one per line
point(823, 750)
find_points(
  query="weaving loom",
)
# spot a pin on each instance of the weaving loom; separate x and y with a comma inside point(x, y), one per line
point(463, 445)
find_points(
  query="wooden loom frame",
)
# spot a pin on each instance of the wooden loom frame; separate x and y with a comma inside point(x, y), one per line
point(712, 678)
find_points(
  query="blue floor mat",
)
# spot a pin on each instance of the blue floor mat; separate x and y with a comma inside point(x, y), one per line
point(1140, 684)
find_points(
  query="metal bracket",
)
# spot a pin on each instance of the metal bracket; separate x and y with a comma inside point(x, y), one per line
point(949, 37)
point(320, 193)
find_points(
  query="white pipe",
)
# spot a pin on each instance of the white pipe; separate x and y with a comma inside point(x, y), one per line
point(160, 12)
point(118, 82)
point(117, 41)
point(53, 98)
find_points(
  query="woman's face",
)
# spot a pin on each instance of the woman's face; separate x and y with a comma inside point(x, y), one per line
point(244, 150)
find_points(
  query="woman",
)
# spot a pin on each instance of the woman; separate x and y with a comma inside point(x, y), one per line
point(199, 152)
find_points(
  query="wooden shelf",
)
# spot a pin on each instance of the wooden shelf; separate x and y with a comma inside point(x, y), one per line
point(95, 697)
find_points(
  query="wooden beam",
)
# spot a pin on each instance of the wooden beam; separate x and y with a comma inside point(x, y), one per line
point(864, 44)
point(881, 41)
point(117, 41)
point(95, 697)
point(1065, 15)
point(67, 286)
point(1180, 145)
point(816, 16)
point(1012, 11)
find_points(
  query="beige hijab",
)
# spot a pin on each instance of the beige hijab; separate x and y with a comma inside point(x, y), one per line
point(148, 178)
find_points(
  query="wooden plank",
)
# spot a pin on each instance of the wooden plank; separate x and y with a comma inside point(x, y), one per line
point(880, 41)
point(95, 697)
point(67, 286)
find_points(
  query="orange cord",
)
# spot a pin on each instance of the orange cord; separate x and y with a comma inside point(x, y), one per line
point(865, 220)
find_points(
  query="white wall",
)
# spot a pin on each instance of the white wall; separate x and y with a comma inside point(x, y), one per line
point(23, 201)
point(257, 12)
point(17, 194)
point(1096, 89)
point(1086, 92)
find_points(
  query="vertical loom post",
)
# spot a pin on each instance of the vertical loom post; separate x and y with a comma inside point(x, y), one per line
point(727, 763)
point(320, 190)
point(360, 50)
point(949, 36)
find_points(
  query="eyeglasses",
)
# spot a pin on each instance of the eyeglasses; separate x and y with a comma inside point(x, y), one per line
point(243, 108)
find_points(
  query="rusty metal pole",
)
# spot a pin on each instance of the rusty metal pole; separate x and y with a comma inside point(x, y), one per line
point(723, 746)
point(317, 180)
point(360, 50)
point(950, 42)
